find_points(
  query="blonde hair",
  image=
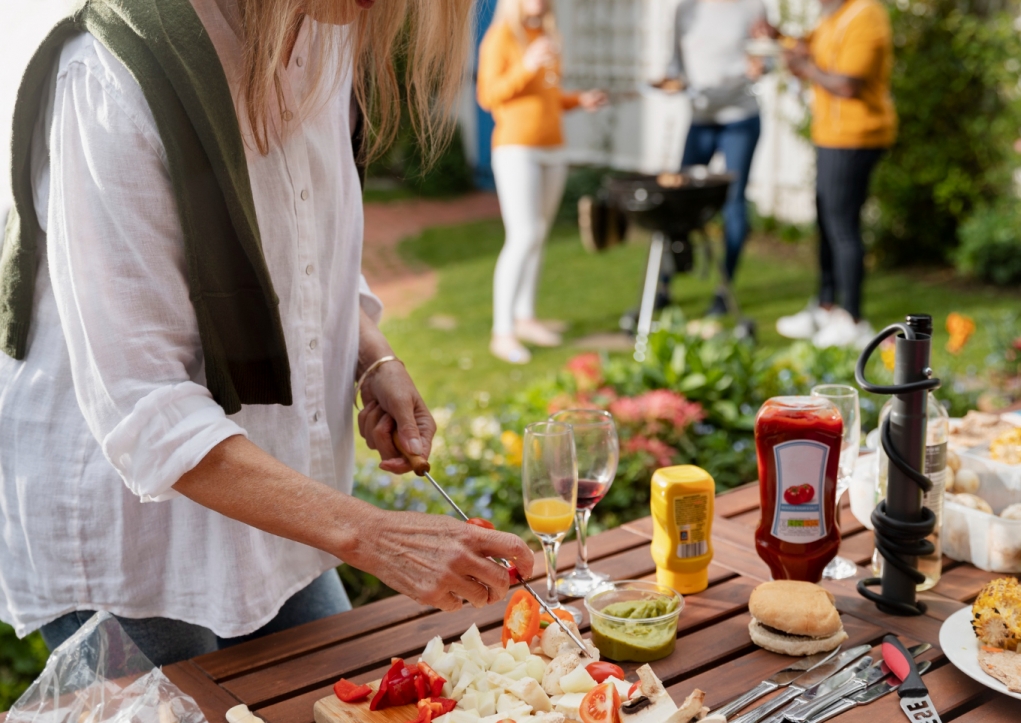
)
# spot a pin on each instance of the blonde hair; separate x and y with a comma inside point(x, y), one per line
point(433, 36)
point(511, 13)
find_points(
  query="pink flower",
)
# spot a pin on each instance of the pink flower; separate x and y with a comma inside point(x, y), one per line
point(653, 410)
point(662, 453)
point(1017, 344)
point(587, 370)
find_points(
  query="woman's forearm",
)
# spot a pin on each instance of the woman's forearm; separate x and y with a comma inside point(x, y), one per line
point(241, 481)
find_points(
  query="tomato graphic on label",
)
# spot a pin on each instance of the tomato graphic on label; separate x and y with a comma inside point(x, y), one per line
point(799, 494)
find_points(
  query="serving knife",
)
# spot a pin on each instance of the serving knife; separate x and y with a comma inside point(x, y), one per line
point(864, 697)
point(785, 677)
point(421, 467)
point(914, 696)
point(811, 682)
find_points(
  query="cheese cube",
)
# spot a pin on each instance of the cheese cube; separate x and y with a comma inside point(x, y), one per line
point(622, 686)
point(569, 704)
point(577, 681)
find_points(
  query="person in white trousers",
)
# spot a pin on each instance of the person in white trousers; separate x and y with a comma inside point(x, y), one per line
point(519, 82)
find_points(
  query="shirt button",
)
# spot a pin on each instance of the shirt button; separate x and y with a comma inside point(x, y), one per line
point(309, 269)
point(304, 195)
point(315, 417)
point(300, 61)
point(313, 344)
point(288, 115)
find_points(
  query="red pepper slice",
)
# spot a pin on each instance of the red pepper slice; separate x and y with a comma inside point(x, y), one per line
point(350, 692)
point(430, 708)
point(479, 522)
point(635, 686)
point(521, 621)
point(436, 682)
point(396, 688)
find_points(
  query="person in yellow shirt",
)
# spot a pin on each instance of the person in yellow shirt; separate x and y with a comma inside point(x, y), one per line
point(519, 83)
point(848, 60)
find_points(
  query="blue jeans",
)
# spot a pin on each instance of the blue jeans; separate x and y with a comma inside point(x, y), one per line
point(737, 141)
point(165, 641)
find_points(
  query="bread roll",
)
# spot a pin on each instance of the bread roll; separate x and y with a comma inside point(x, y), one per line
point(799, 608)
point(786, 645)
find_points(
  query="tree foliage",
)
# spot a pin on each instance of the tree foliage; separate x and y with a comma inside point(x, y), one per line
point(956, 85)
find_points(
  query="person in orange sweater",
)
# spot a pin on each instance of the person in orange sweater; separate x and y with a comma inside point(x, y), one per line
point(848, 60)
point(519, 83)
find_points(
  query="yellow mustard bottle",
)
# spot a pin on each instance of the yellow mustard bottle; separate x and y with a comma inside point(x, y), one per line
point(683, 498)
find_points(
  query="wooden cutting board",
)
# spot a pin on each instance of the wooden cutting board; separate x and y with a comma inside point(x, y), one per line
point(333, 710)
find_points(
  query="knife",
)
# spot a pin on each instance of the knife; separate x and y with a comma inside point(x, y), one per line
point(914, 696)
point(811, 682)
point(421, 467)
point(864, 697)
point(785, 677)
point(802, 711)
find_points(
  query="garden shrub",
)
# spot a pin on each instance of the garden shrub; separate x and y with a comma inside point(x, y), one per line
point(955, 83)
point(20, 662)
point(991, 244)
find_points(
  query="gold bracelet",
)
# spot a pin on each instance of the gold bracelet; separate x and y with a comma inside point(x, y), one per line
point(372, 367)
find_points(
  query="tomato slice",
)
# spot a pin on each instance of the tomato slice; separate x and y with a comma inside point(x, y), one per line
point(434, 679)
point(601, 670)
point(637, 685)
point(521, 621)
point(479, 522)
point(601, 705)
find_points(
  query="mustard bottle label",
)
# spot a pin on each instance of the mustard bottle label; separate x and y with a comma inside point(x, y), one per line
point(691, 516)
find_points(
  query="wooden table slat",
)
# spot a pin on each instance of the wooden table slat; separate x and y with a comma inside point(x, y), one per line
point(998, 709)
point(210, 697)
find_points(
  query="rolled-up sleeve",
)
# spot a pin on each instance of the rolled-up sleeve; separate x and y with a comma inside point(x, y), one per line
point(370, 303)
point(116, 259)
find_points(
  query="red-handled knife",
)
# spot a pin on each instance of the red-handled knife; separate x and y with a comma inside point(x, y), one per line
point(914, 696)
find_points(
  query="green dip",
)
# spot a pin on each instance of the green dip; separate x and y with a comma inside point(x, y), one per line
point(634, 639)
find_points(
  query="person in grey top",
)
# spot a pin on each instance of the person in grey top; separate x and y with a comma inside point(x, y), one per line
point(710, 63)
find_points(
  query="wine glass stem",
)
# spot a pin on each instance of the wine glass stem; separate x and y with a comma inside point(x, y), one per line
point(581, 526)
point(549, 550)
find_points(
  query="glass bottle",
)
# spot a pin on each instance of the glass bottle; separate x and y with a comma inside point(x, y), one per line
point(937, 432)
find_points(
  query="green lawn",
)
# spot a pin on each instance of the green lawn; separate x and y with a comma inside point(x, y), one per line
point(444, 342)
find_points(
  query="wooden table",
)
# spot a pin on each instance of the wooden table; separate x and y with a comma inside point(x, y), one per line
point(281, 676)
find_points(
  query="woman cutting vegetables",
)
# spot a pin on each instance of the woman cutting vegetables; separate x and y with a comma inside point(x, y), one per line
point(184, 323)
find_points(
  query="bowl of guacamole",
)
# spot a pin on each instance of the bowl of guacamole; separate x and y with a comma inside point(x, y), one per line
point(634, 620)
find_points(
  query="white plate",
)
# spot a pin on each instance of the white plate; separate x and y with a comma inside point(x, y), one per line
point(960, 646)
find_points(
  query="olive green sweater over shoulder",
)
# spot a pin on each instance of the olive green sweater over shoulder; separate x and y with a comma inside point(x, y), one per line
point(169, 53)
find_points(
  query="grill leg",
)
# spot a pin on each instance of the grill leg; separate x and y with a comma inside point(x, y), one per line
point(655, 263)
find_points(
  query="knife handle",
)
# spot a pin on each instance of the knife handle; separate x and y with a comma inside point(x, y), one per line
point(758, 713)
point(419, 464)
point(763, 688)
point(841, 706)
point(903, 666)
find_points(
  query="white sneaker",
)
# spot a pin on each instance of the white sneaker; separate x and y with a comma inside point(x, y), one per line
point(535, 332)
point(508, 348)
point(842, 330)
point(803, 325)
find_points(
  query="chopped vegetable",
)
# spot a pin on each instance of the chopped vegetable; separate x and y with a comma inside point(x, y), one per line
point(521, 621)
point(601, 670)
point(351, 692)
point(600, 705)
point(434, 679)
point(429, 708)
point(637, 686)
point(402, 685)
point(545, 620)
point(479, 522)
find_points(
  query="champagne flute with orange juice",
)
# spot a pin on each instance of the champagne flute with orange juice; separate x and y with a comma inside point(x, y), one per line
point(549, 485)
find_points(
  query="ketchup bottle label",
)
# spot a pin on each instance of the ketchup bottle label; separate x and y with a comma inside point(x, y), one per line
point(800, 481)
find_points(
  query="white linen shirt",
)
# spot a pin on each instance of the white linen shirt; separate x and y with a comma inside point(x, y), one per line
point(110, 409)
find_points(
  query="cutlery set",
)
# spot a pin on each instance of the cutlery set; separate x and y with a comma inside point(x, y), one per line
point(822, 686)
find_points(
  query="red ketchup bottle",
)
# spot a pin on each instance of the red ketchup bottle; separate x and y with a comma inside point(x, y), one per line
point(798, 442)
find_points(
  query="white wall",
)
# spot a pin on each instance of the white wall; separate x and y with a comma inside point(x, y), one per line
point(24, 25)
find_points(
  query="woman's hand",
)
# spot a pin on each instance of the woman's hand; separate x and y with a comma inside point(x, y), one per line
point(763, 29)
point(393, 403)
point(756, 68)
point(540, 52)
point(439, 561)
point(798, 60)
point(670, 85)
point(593, 100)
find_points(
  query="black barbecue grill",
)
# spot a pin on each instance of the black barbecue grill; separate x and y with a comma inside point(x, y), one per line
point(672, 212)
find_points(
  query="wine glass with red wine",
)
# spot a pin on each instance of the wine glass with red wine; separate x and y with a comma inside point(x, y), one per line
point(595, 439)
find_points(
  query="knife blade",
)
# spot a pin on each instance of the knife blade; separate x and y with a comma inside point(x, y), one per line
point(421, 467)
point(810, 683)
point(778, 680)
point(868, 673)
point(864, 697)
point(914, 696)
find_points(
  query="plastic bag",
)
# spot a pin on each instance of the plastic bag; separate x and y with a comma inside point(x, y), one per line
point(100, 676)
